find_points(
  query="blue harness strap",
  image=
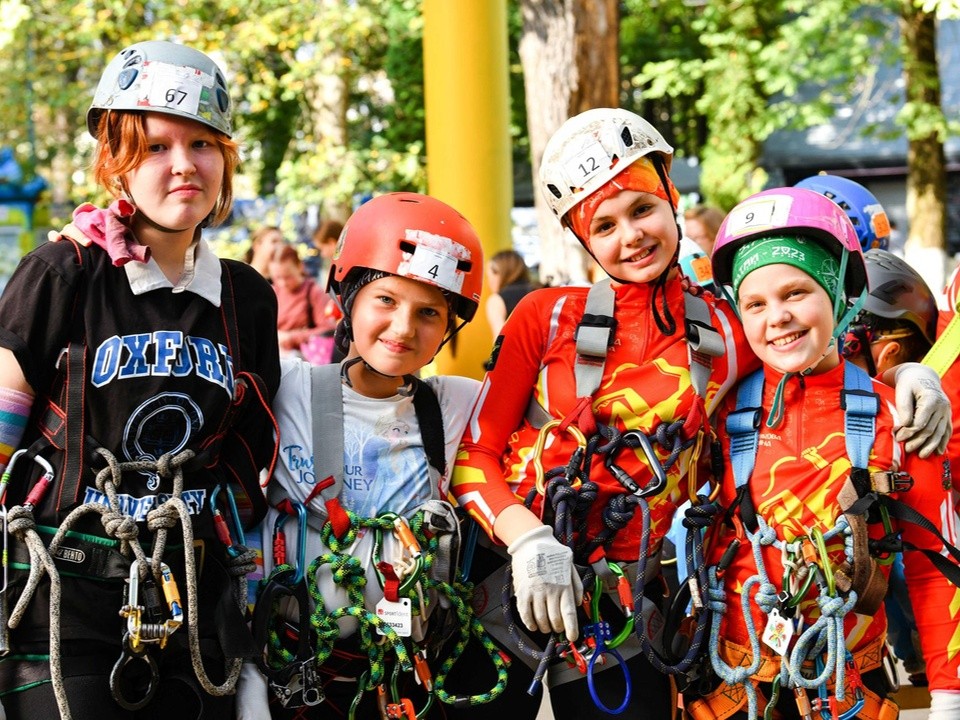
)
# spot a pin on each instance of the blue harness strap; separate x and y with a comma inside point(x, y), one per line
point(860, 409)
point(860, 405)
point(743, 427)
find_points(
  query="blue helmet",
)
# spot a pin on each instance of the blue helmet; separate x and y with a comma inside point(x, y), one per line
point(864, 210)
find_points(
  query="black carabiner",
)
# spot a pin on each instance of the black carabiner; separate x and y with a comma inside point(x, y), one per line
point(116, 676)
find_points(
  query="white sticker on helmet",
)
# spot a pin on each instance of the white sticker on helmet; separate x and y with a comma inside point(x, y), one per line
point(769, 211)
point(434, 260)
point(174, 86)
point(586, 163)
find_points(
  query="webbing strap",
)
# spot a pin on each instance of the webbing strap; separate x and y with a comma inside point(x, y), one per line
point(326, 403)
point(947, 347)
point(743, 427)
point(74, 424)
point(703, 341)
point(860, 408)
point(594, 336)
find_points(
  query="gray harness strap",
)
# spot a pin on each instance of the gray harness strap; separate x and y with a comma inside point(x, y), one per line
point(327, 407)
point(594, 337)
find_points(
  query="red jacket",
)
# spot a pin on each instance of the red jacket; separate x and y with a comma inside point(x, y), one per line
point(646, 382)
point(800, 467)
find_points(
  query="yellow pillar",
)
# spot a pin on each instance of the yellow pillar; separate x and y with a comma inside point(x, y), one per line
point(467, 96)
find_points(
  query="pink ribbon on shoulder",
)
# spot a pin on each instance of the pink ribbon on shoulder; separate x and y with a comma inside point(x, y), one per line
point(108, 229)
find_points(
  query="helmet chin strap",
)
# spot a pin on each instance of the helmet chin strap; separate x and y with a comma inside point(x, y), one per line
point(406, 388)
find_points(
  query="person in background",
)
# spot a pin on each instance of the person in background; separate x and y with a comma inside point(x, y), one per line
point(863, 209)
point(263, 244)
point(509, 280)
point(323, 245)
point(898, 323)
point(700, 224)
point(305, 323)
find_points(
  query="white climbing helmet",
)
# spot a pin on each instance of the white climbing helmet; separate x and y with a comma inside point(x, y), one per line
point(591, 148)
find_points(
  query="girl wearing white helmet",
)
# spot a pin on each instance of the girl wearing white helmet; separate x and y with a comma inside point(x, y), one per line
point(605, 175)
point(797, 569)
point(594, 410)
point(137, 370)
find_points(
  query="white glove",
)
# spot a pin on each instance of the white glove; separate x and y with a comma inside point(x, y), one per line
point(547, 586)
point(924, 410)
point(253, 698)
point(944, 705)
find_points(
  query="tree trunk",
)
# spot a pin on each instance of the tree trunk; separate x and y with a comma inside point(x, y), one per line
point(926, 164)
point(564, 41)
point(327, 93)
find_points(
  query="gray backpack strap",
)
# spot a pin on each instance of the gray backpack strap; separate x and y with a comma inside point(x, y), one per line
point(594, 336)
point(703, 341)
point(326, 403)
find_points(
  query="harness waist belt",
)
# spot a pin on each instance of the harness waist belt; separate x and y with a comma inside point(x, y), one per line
point(78, 555)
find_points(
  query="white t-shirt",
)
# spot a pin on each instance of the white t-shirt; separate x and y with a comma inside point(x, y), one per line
point(385, 468)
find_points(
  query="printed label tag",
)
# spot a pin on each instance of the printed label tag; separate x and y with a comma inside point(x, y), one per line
point(587, 163)
point(778, 632)
point(174, 87)
point(435, 258)
point(397, 615)
point(434, 267)
point(764, 212)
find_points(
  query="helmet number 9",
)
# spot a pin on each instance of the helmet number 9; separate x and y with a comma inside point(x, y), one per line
point(769, 211)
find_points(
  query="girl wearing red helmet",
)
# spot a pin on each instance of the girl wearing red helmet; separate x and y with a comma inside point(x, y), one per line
point(796, 571)
point(592, 419)
point(366, 449)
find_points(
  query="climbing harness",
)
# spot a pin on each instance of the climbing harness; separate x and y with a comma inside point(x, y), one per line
point(138, 635)
point(567, 493)
point(420, 581)
point(856, 584)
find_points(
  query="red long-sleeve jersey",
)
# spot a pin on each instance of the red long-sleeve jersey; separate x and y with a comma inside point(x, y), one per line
point(646, 382)
point(801, 466)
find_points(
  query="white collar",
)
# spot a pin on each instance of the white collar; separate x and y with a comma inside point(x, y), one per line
point(201, 274)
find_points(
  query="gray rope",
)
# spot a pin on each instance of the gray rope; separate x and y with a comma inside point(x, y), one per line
point(23, 526)
point(124, 528)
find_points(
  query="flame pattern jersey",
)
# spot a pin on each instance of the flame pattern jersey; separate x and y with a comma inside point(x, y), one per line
point(801, 466)
point(646, 382)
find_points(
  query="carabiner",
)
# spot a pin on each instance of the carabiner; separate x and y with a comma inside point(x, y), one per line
point(632, 439)
point(223, 531)
point(408, 571)
point(35, 496)
point(280, 542)
point(624, 593)
point(541, 443)
point(138, 632)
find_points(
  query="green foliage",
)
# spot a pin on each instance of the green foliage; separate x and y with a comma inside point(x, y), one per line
point(731, 73)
